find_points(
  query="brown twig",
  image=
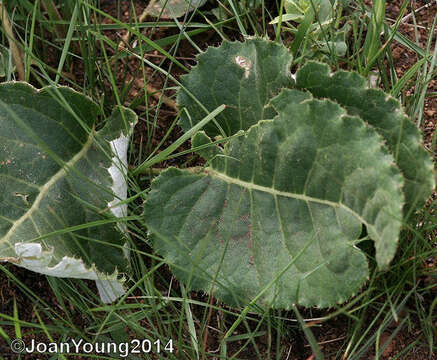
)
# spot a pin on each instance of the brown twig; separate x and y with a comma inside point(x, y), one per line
point(161, 97)
point(157, 94)
point(426, 6)
point(205, 336)
point(125, 37)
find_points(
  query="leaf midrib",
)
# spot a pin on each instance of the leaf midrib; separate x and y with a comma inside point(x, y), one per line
point(47, 186)
point(274, 192)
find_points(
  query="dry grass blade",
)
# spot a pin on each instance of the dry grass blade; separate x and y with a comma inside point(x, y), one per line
point(18, 59)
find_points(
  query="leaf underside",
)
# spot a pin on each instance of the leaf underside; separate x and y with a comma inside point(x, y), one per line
point(55, 174)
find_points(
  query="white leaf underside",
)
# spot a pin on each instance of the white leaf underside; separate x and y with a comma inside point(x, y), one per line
point(78, 182)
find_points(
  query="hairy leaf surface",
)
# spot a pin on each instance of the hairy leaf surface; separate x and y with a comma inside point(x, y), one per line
point(385, 114)
point(57, 172)
point(244, 76)
point(282, 210)
point(279, 211)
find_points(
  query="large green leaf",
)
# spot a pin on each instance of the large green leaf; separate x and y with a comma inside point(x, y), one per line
point(281, 210)
point(56, 172)
point(385, 114)
point(244, 76)
point(278, 212)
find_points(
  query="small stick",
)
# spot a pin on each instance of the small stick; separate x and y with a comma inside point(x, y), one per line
point(125, 38)
point(205, 336)
point(150, 88)
point(406, 17)
point(158, 95)
point(12, 42)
